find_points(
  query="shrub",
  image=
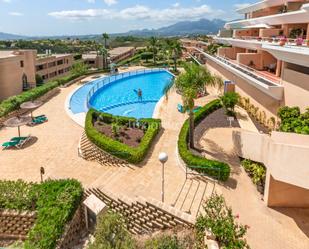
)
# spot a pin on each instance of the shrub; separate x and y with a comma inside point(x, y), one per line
point(130, 154)
point(220, 220)
point(229, 101)
point(39, 80)
point(165, 242)
point(56, 203)
point(79, 68)
point(292, 120)
point(212, 168)
point(256, 171)
point(111, 233)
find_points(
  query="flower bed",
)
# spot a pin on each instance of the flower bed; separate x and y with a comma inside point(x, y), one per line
point(257, 172)
point(55, 202)
point(117, 148)
point(212, 168)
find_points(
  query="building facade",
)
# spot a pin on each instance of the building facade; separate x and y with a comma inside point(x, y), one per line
point(121, 53)
point(18, 70)
point(266, 55)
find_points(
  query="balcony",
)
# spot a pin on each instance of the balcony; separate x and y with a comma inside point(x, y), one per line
point(257, 79)
point(298, 16)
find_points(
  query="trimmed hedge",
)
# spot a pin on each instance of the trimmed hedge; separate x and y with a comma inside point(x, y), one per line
point(55, 202)
point(133, 155)
point(212, 168)
point(13, 103)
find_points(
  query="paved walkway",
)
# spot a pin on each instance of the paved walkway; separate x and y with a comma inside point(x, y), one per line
point(55, 148)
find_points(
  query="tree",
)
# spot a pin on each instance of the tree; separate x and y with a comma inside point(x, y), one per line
point(154, 43)
point(176, 49)
point(104, 52)
point(79, 68)
point(229, 101)
point(39, 80)
point(105, 37)
point(189, 84)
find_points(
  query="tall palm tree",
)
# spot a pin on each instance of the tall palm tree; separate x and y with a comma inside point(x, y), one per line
point(154, 43)
point(105, 37)
point(176, 52)
point(189, 84)
point(104, 52)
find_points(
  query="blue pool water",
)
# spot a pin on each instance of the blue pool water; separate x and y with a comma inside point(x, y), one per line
point(120, 97)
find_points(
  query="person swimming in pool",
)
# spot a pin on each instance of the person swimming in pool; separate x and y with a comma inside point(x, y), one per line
point(140, 94)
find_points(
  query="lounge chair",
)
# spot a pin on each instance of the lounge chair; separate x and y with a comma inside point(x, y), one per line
point(38, 120)
point(17, 142)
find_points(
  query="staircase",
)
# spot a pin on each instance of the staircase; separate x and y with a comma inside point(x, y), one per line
point(192, 195)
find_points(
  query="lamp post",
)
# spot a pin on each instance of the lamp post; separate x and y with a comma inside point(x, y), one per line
point(163, 157)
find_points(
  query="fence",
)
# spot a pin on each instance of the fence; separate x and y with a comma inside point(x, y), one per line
point(115, 77)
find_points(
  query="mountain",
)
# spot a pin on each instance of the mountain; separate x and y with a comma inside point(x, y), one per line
point(202, 26)
point(6, 36)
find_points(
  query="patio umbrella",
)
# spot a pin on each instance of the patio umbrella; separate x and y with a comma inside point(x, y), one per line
point(17, 122)
point(31, 105)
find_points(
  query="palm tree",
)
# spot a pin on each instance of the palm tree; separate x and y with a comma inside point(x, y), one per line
point(104, 52)
point(105, 37)
point(189, 84)
point(154, 42)
point(176, 52)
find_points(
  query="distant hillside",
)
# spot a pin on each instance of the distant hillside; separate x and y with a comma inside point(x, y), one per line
point(202, 26)
point(6, 36)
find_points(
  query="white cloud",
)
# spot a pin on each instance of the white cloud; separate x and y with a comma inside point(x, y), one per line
point(110, 2)
point(91, 1)
point(6, 1)
point(176, 5)
point(15, 14)
point(141, 12)
point(241, 5)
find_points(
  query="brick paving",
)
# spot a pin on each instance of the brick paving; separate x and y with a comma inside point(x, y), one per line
point(55, 148)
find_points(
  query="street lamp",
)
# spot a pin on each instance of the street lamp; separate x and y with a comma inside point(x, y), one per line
point(163, 157)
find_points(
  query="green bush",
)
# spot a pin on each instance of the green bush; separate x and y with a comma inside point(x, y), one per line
point(220, 220)
point(132, 155)
point(16, 195)
point(292, 120)
point(256, 171)
point(212, 168)
point(111, 233)
point(165, 242)
point(229, 101)
point(13, 103)
point(55, 202)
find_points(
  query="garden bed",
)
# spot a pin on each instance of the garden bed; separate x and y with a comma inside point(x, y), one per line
point(131, 136)
point(257, 172)
point(130, 145)
point(260, 127)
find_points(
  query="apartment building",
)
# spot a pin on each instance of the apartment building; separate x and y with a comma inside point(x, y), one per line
point(53, 66)
point(18, 70)
point(266, 56)
point(121, 53)
point(93, 60)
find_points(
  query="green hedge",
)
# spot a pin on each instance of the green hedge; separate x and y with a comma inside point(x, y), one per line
point(13, 103)
point(212, 168)
point(55, 202)
point(118, 149)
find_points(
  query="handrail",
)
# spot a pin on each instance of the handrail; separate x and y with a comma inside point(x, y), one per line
point(243, 68)
point(115, 77)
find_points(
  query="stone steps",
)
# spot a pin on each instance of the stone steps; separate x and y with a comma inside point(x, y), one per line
point(191, 196)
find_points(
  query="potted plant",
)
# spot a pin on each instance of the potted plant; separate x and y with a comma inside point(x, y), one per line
point(299, 41)
point(283, 41)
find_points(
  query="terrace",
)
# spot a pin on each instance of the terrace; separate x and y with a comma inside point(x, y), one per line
point(262, 80)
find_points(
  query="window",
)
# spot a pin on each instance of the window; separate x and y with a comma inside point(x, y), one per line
point(21, 63)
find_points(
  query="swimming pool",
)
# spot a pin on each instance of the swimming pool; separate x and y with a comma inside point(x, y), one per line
point(118, 94)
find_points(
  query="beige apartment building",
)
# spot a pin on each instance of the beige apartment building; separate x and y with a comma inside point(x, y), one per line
point(121, 53)
point(266, 56)
point(18, 70)
point(53, 66)
point(93, 60)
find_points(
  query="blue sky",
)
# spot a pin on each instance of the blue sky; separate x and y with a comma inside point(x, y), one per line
point(63, 17)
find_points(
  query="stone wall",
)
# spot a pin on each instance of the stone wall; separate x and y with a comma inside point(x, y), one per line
point(144, 216)
point(73, 231)
point(16, 225)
